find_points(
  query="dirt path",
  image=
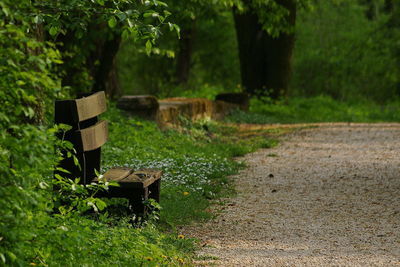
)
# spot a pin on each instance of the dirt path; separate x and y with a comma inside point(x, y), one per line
point(328, 196)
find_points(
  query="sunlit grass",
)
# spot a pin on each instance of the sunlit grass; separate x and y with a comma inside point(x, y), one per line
point(317, 109)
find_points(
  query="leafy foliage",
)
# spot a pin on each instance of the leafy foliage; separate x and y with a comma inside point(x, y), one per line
point(215, 63)
point(339, 52)
point(26, 150)
point(213, 54)
point(88, 32)
point(63, 16)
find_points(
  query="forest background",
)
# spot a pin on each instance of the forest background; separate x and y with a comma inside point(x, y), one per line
point(298, 60)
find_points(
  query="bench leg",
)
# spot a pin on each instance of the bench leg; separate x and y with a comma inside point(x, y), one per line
point(136, 201)
point(154, 190)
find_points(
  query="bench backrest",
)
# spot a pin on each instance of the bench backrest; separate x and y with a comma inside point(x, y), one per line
point(87, 135)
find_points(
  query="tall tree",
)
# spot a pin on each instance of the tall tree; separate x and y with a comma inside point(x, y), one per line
point(265, 50)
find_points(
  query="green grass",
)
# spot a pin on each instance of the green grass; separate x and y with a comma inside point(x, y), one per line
point(317, 109)
point(82, 241)
point(195, 159)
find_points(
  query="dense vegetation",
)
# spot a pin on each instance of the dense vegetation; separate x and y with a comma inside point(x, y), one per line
point(195, 164)
point(348, 59)
point(343, 57)
point(338, 52)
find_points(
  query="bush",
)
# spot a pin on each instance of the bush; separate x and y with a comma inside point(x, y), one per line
point(26, 146)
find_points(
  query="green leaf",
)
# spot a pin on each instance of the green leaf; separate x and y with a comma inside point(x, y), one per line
point(150, 13)
point(149, 45)
point(170, 54)
point(29, 112)
point(101, 205)
point(121, 16)
point(178, 30)
point(112, 22)
point(130, 23)
point(37, 19)
point(62, 170)
point(20, 83)
point(6, 11)
point(125, 34)
point(91, 203)
point(43, 185)
point(167, 13)
point(11, 255)
point(160, 3)
point(76, 162)
point(53, 30)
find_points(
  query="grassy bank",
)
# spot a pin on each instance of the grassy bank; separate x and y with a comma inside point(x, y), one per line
point(317, 109)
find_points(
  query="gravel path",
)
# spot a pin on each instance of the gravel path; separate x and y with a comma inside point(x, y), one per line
point(328, 196)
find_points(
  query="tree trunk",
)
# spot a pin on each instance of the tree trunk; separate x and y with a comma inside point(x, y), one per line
point(371, 9)
point(105, 73)
point(184, 58)
point(392, 8)
point(71, 70)
point(265, 61)
point(388, 6)
point(97, 56)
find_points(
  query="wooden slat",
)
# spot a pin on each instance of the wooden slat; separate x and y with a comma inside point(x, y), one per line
point(140, 179)
point(117, 174)
point(94, 136)
point(91, 106)
point(148, 176)
point(132, 179)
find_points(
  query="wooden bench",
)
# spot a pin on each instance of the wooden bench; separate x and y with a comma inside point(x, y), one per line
point(88, 134)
